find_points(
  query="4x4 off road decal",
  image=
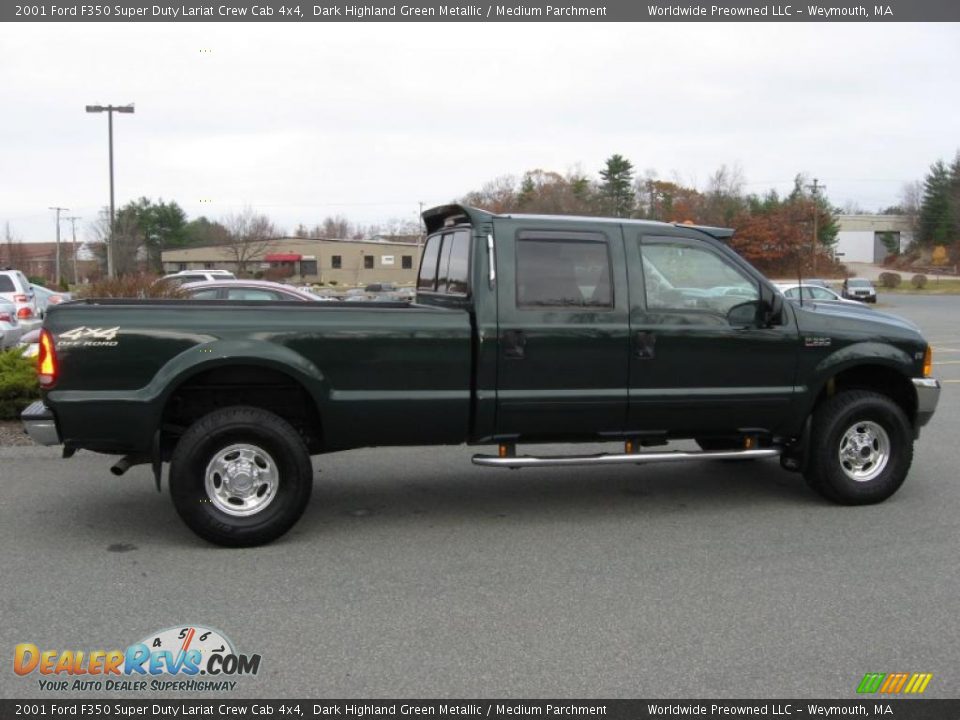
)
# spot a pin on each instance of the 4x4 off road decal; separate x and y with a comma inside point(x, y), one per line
point(89, 337)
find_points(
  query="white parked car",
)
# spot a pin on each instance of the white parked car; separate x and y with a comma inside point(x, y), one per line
point(189, 276)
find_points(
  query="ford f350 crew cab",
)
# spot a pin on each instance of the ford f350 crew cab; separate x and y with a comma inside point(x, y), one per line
point(525, 330)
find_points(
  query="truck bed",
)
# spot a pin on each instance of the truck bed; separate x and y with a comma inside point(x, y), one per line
point(377, 373)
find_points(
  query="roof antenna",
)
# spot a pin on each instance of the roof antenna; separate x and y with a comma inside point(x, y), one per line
point(799, 278)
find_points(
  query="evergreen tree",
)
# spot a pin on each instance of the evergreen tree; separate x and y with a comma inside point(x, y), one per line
point(953, 199)
point(161, 226)
point(935, 208)
point(617, 186)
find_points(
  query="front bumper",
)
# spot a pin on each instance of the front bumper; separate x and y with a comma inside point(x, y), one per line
point(928, 394)
point(40, 424)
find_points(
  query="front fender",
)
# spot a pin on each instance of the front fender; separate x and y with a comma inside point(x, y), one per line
point(876, 354)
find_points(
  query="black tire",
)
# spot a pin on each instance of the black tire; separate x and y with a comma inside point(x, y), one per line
point(859, 412)
point(282, 465)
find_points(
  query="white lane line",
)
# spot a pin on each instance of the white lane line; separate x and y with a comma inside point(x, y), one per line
point(947, 362)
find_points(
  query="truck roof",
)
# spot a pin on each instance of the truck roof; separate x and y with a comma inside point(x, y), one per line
point(437, 217)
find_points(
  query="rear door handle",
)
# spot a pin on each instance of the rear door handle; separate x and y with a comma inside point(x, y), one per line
point(514, 344)
point(644, 346)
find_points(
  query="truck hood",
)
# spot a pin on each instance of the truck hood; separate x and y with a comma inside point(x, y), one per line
point(845, 317)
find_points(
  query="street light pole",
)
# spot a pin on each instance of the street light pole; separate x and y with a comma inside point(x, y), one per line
point(110, 110)
point(57, 261)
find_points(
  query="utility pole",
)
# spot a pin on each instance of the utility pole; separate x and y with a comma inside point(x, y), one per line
point(815, 189)
point(73, 224)
point(110, 110)
point(57, 264)
point(423, 228)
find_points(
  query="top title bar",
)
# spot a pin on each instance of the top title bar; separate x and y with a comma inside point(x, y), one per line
point(475, 11)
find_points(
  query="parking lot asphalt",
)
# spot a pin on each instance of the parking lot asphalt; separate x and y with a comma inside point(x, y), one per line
point(416, 574)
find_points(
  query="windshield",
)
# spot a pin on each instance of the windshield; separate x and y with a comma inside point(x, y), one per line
point(858, 283)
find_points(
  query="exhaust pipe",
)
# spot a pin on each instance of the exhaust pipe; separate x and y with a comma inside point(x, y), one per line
point(127, 462)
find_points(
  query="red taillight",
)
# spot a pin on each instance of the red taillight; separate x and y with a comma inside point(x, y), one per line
point(5, 317)
point(24, 313)
point(47, 366)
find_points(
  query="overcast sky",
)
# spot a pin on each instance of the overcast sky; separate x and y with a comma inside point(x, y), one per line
point(366, 120)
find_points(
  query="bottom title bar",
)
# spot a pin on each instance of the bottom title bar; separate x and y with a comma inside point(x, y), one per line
point(914, 709)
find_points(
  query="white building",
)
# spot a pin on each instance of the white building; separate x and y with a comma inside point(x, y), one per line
point(860, 238)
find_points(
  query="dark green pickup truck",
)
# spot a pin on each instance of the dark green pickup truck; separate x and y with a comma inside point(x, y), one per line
point(525, 329)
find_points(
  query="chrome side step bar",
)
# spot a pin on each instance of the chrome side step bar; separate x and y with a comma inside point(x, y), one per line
point(522, 461)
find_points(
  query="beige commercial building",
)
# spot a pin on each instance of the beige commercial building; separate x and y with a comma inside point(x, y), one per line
point(344, 263)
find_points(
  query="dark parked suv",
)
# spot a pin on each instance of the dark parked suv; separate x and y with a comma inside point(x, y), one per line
point(859, 289)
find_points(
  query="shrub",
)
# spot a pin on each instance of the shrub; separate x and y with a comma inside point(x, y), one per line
point(36, 280)
point(919, 281)
point(939, 256)
point(18, 383)
point(890, 279)
point(132, 286)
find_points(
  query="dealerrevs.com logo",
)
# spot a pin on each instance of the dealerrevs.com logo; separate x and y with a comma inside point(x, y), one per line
point(188, 658)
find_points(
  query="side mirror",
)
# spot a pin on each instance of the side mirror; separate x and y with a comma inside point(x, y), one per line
point(744, 315)
point(771, 306)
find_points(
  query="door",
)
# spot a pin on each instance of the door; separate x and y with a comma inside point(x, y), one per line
point(700, 359)
point(563, 332)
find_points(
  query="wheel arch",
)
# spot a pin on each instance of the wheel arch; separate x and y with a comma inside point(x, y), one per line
point(290, 387)
point(879, 377)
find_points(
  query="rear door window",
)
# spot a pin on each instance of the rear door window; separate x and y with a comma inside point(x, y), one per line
point(563, 273)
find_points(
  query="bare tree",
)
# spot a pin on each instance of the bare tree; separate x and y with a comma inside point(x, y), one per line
point(251, 235)
point(852, 207)
point(334, 228)
point(911, 197)
point(127, 241)
point(498, 195)
point(13, 255)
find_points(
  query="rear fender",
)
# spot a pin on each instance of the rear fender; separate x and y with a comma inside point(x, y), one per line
point(225, 353)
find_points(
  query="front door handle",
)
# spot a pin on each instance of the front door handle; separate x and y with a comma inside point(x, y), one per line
point(644, 346)
point(514, 344)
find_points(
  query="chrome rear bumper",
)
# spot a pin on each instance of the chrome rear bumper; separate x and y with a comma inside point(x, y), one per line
point(40, 424)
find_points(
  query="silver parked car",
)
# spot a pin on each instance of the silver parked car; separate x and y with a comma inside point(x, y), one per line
point(10, 328)
point(246, 290)
point(47, 297)
point(16, 289)
point(812, 293)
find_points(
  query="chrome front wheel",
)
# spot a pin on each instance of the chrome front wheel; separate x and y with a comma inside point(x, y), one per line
point(864, 450)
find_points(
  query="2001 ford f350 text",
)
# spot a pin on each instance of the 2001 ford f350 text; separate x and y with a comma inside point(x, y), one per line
point(525, 329)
